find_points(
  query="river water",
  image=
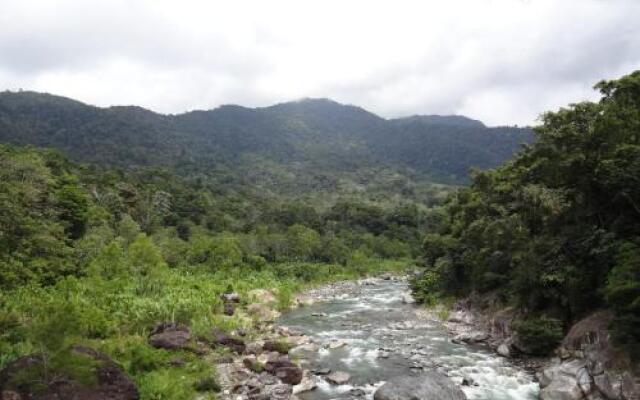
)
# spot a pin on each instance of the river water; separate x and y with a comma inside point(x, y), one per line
point(385, 338)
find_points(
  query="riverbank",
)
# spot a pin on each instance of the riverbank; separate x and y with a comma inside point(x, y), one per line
point(352, 337)
point(160, 335)
point(585, 365)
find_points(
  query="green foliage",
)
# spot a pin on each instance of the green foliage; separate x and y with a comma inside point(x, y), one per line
point(282, 346)
point(33, 219)
point(284, 296)
point(539, 336)
point(622, 292)
point(319, 139)
point(553, 231)
point(144, 257)
point(110, 262)
point(209, 384)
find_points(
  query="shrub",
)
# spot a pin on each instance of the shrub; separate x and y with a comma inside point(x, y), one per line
point(284, 297)
point(538, 336)
point(208, 384)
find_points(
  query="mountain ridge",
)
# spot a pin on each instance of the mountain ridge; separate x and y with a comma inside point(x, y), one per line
point(317, 131)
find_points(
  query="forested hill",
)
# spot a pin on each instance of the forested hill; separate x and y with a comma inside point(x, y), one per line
point(556, 230)
point(320, 134)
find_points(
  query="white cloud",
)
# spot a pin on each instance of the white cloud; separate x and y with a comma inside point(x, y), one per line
point(501, 61)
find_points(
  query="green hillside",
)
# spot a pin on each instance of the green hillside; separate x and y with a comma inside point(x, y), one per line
point(318, 134)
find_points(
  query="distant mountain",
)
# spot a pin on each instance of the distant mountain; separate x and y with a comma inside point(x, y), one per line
point(320, 134)
point(450, 120)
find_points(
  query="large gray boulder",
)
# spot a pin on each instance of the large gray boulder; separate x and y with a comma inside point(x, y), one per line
point(428, 386)
point(565, 381)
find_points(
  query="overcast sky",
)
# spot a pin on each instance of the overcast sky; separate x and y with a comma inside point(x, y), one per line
point(500, 61)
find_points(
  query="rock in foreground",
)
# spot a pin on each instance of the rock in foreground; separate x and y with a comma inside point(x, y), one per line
point(430, 385)
point(111, 383)
point(169, 336)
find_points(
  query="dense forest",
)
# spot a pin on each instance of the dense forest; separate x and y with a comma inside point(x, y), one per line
point(309, 143)
point(554, 231)
point(97, 256)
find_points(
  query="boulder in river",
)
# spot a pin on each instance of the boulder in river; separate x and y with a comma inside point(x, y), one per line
point(429, 385)
point(285, 369)
point(335, 344)
point(504, 349)
point(471, 337)
point(308, 383)
point(560, 381)
point(407, 298)
point(338, 378)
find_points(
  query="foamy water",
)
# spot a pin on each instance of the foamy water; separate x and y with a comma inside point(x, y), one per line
point(384, 338)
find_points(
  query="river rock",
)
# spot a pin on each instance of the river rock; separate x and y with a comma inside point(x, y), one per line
point(304, 348)
point(254, 347)
point(562, 388)
point(169, 336)
point(629, 389)
point(471, 337)
point(321, 371)
point(338, 377)
point(230, 297)
point(584, 381)
point(604, 385)
point(285, 369)
point(407, 298)
point(335, 344)
point(428, 385)
point(370, 282)
point(298, 340)
point(504, 349)
point(273, 392)
point(222, 339)
point(404, 325)
point(560, 381)
point(304, 300)
point(461, 317)
point(268, 356)
point(307, 384)
point(268, 379)
point(319, 314)
point(252, 363)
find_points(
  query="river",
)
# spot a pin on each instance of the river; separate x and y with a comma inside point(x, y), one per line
point(385, 338)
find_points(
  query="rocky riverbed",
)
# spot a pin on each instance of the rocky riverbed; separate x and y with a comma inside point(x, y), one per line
point(352, 337)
